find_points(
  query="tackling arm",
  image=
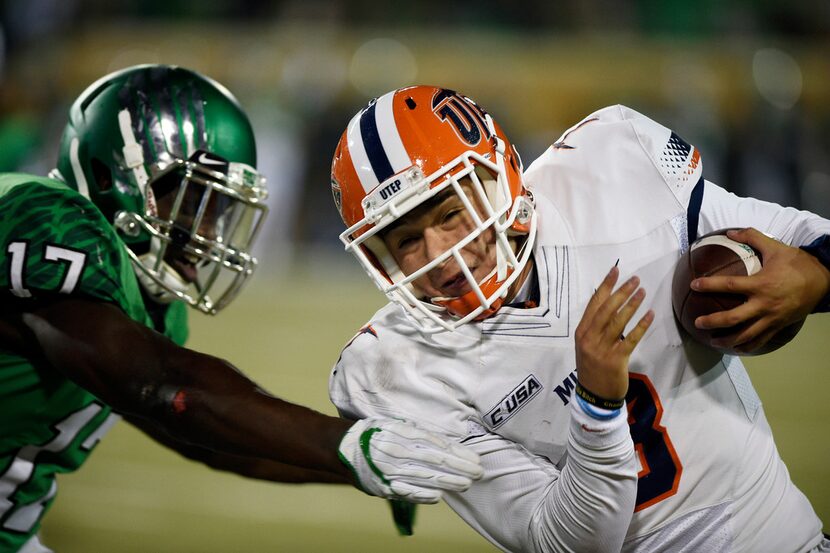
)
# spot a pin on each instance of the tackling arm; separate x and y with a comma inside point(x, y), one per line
point(193, 398)
point(250, 467)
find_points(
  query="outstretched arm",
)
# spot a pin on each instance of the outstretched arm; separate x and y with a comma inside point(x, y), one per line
point(249, 467)
point(194, 398)
point(205, 404)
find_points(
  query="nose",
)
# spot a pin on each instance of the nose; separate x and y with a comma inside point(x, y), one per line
point(435, 243)
point(207, 228)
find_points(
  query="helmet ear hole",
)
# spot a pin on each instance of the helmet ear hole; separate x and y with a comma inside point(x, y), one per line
point(102, 175)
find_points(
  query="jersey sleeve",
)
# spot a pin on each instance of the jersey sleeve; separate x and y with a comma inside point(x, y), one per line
point(646, 171)
point(679, 163)
point(722, 209)
point(523, 502)
point(618, 165)
point(369, 380)
point(56, 242)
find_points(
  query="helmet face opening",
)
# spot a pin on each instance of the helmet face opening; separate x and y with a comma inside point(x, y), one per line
point(168, 156)
point(468, 278)
point(442, 149)
point(202, 221)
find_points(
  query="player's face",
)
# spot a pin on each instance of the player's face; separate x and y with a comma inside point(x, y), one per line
point(167, 190)
point(429, 230)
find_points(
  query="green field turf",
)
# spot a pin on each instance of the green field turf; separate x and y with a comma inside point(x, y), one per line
point(136, 497)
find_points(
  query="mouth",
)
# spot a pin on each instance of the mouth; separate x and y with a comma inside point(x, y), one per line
point(186, 267)
point(455, 286)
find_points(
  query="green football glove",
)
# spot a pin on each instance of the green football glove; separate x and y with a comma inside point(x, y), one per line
point(397, 460)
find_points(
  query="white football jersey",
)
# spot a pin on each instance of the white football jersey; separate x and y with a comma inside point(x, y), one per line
point(619, 189)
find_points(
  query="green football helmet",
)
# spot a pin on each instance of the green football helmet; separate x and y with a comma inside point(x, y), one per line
point(169, 157)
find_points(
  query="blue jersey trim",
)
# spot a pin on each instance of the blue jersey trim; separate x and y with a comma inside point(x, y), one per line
point(693, 211)
point(820, 248)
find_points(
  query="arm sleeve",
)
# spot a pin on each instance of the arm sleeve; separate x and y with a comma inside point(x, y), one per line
point(524, 503)
point(721, 209)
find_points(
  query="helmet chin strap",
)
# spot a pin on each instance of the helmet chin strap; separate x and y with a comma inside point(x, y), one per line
point(502, 266)
point(500, 149)
point(133, 154)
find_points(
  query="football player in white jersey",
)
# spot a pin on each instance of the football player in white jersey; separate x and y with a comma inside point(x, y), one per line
point(492, 336)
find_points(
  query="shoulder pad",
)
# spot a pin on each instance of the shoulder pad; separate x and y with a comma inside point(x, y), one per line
point(58, 242)
point(678, 161)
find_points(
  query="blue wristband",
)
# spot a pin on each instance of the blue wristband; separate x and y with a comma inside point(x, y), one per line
point(597, 412)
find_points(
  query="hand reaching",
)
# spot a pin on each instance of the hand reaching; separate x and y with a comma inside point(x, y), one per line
point(397, 460)
point(602, 352)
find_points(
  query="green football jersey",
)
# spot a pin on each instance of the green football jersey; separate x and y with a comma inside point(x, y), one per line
point(54, 242)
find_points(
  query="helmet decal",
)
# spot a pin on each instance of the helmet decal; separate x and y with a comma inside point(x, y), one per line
point(171, 117)
point(77, 171)
point(448, 105)
point(371, 141)
point(376, 146)
point(192, 112)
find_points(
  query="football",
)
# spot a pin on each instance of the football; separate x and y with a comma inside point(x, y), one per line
point(710, 255)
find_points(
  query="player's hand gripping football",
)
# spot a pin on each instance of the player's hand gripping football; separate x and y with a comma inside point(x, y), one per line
point(788, 287)
point(397, 460)
point(602, 352)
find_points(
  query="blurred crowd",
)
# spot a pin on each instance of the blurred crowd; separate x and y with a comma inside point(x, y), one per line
point(748, 82)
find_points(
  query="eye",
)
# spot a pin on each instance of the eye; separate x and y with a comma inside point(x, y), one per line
point(406, 242)
point(452, 217)
point(452, 213)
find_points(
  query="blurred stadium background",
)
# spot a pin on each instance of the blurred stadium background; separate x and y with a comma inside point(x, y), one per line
point(748, 82)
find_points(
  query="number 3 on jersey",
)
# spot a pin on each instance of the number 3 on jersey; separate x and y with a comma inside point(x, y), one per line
point(660, 468)
point(55, 254)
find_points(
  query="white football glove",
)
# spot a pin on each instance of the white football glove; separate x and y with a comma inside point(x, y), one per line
point(397, 460)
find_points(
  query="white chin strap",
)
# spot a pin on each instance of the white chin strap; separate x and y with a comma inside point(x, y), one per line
point(172, 281)
point(132, 152)
point(502, 263)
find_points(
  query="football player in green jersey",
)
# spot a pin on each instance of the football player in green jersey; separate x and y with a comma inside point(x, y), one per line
point(154, 205)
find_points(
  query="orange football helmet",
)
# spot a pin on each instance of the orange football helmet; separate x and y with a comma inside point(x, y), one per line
point(403, 149)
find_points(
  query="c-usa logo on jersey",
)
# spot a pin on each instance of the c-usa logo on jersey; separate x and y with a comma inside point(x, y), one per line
point(512, 402)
